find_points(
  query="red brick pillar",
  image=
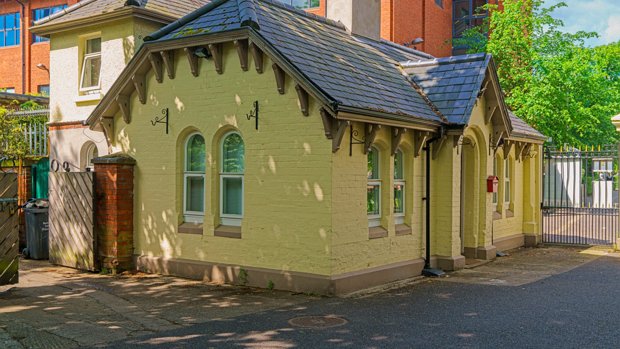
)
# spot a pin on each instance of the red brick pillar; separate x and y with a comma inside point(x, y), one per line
point(114, 211)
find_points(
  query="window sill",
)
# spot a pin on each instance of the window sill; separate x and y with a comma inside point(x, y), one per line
point(95, 97)
point(497, 216)
point(228, 231)
point(509, 214)
point(190, 228)
point(403, 229)
point(377, 233)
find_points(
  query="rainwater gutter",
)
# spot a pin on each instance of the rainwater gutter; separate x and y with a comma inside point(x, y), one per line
point(428, 271)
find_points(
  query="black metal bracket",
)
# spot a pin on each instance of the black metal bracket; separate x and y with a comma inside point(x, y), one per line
point(253, 114)
point(353, 139)
point(161, 119)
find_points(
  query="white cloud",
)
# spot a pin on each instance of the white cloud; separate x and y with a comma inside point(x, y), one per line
point(600, 16)
point(612, 33)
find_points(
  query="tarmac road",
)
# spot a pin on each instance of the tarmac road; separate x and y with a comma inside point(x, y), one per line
point(578, 308)
point(548, 297)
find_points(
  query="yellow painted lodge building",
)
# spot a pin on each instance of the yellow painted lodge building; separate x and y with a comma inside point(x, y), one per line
point(301, 154)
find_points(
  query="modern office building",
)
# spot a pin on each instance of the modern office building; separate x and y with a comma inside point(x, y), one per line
point(24, 57)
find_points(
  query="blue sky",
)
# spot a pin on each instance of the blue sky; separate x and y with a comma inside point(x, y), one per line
point(600, 16)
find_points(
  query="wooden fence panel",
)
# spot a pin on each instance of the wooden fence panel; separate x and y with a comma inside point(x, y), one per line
point(72, 239)
point(9, 235)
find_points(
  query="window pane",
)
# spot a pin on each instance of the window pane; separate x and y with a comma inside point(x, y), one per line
point(399, 198)
point(232, 195)
point(372, 199)
point(195, 160)
point(461, 9)
point(195, 193)
point(10, 37)
point(92, 68)
point(93, 45)
point(373, 164)
point(399, 172)
point(507, 169)
point(10, 21)
point(44, 90)
point(233, 154)
point(507, 191)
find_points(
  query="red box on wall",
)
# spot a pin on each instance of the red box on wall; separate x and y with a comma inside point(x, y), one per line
point(492, 184)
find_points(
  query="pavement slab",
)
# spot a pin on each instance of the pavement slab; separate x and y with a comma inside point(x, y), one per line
point(57, 307)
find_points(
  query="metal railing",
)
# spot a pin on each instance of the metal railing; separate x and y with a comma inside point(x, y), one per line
point(580, 195)
point(35, 130)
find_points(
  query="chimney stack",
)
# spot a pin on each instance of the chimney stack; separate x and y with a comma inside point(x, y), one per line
point(361, 17)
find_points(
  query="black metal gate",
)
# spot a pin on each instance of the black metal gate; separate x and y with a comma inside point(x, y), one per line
point(9, 235)
point(580, 195)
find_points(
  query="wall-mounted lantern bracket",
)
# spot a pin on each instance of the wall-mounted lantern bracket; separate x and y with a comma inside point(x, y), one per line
point(253, 114)
point(161, 119)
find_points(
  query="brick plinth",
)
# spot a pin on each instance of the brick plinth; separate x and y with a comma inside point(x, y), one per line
point(114, 211)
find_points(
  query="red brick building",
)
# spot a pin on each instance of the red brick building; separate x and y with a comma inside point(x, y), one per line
point(436, 22)
point(24, 58)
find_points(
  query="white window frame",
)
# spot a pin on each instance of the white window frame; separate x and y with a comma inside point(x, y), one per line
point(399, 218)
point(193, 216)
point(230, 219)
point(507, 194)
point(89, 56)
point(374, 220)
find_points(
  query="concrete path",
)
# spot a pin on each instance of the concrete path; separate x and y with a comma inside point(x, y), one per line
point(533, 292)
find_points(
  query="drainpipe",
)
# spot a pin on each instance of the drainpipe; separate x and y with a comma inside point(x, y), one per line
point(23, 43)
point(428, 271)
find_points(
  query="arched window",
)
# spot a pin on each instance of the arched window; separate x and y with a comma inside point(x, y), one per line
point(373, 190)
point(507, 175)
point(231, 179)
point(194, 179)
point(399, 188)
point(90, 154)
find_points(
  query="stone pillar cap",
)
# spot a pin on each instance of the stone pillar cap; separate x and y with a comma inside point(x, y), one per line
point(117, 158)
point(616, 121)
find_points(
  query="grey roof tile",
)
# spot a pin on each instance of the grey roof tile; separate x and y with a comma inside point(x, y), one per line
point(521, 128)
point(453, 81)
point(88, 8)
point(353, 70)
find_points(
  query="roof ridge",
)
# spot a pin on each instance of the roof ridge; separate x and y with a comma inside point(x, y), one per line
point(309, 15)
point(446, 60)
point(184, 20)
point(63, 12)
point(247, 14)
point(404, 48)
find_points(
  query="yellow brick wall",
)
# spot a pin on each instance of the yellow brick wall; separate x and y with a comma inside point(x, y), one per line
point(288, 185)
point(352, 248)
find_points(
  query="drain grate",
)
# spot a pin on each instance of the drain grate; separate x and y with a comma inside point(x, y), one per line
point(317, 321)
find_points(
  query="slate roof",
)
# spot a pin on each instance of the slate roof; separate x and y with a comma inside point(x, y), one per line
point(520, 128)
point(451, 83)
point(353, 71)
point(90, 8)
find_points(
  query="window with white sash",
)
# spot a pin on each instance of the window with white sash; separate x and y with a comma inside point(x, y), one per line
point(231, 179)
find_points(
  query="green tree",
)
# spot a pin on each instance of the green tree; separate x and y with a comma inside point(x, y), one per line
point(12, 142)
point(551, 79)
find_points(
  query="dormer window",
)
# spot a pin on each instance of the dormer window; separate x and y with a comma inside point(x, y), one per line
point(91, 66)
